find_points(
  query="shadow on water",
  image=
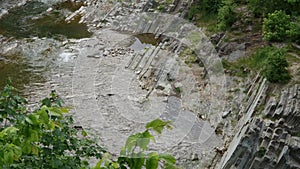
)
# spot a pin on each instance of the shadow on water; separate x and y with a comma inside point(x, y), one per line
point(15, 68)
point(69, 5)
point(32, 19)
point(144, 40)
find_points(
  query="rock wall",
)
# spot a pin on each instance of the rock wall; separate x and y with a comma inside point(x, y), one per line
point(270, 139)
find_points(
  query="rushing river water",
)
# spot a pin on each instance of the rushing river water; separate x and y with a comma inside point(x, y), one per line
point(28, 23)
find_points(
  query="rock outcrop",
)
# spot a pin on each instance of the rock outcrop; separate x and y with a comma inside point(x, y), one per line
point(270, 139)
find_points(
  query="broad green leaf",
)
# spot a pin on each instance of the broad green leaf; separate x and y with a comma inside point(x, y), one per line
point(17, 151)
point(8, 131)
point(167, 158)
point(115, 165)
point(8, 157)
point(170, 166)
point(98, 165)
point(137, 161)
point(131, 142)
point(46, 102)
point(28, 120)
point(152, 161)
point(158, 125)
point(34, 119)
point(35, 150)
point(64, 110)
point(44, 116)
point(26, 147)
point(54, 111)
point(123, 152)
point(52, 125)
point(34, 136)
point(144, 140)
point(84, 133)
point(140, 139)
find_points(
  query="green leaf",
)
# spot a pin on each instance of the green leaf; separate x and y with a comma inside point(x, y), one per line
point(123, 152)
point(158, 125)
point(64, 110)
point(8, 131)
point(28, 120)
point(144, 140)
point(44, 116)
point(52, 125)
point(46, 102)
point(8, 157)
point(34, 136)
point(170, 166)
point(98, 165)
point(137, 161)
point(141, 140)
point(84, 133)
point(167, 158)
point(26, 148)
point(54, 111)
point(152, 161)
point(33, 119)
point(35, 150)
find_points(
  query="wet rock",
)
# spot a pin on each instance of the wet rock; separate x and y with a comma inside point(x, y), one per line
point(215, 38)
point(106, 53)
point(226, 113)
point(219, 128)
point(49, 9)
point(194, 157)
point(161, 86)
point(177, 85)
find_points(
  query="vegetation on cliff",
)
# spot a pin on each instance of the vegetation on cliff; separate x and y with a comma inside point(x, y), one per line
point(274, 21)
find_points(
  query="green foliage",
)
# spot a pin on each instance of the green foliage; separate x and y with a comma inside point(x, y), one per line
point(226, 15)
point(270, 61)
point(276, 26)
point(192, 12)
point(136, 154)
point(42, 138)
point(279, 26)
point(262, 7)
point(210, 6)
point(294, 31)
point(273, 64)
point(237, 68)
point(11, 106)
point(204, 8)
point(275, 69)
point(261, 152)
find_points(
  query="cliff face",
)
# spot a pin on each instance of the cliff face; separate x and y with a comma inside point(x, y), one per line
point(270, 139)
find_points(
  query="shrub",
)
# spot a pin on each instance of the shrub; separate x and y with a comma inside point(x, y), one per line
point(262, 7)
point(192, 12)
point(210, 6)
point(279, 26)
point(204, 7)
point(276, 68)
point(43, 138)
point(274, 64)
point(226, 15)
point(294, 31)
point(276, 26)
